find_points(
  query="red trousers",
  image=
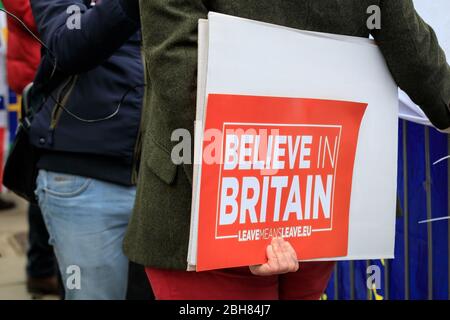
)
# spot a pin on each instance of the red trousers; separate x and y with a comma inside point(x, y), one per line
point(240, 284)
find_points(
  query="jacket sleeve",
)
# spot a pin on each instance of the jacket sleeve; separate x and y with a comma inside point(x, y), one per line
point(170, 35)
point(22, 9)
point(102, 30)
point(415, 59)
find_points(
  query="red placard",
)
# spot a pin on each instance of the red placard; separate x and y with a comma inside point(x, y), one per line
point(275, 167)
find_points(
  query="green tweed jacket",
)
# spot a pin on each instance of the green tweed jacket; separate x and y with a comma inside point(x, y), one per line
point(158, 233)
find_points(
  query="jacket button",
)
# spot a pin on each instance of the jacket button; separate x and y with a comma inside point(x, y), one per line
point(42, 140)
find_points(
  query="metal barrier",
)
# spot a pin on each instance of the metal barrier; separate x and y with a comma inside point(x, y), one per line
point(420, 269)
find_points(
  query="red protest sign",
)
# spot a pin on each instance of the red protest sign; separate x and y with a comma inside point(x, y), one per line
point(285, 169)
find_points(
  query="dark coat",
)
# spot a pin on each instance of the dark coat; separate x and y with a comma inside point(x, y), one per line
point(105, 56)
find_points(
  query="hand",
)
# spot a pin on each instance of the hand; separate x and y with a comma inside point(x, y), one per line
point(282, 258)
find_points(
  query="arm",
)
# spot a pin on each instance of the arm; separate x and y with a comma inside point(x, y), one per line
point(103, 29)
point(415, 59)
point(170, 33)
point(171, 56)
point(22, 9)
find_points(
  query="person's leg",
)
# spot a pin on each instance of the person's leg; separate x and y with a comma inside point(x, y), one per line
point(308, 283)
point(138, 285)
point(42, 271)
point(86, 220)
point(229, 284)
point(41, 259)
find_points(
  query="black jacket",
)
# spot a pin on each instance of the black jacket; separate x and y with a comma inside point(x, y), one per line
point(99, 71)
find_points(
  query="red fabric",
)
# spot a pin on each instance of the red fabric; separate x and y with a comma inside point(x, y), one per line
point(239, 284)
point(23, 54)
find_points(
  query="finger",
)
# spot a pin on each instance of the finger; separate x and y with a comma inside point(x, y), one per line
point(270, 252)
point(288, 249)
point(272, 257)
point(278, 246)
point(285, 245)
point(291, 256)
point(283, 259)
point(288, 262)
point(293, 264)
point(268, 268)
point(275, 244)
point(261, 270)
point(276, 257)
point(285, 248)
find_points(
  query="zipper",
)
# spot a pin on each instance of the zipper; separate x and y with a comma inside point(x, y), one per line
point(59, 105)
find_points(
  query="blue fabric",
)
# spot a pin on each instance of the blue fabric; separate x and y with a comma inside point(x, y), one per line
point(397, 265)
point(417, 233)
point(360, 275)
point(330, 290)
point(13, 117)
point(439, 207)
point(86, 220)
point(344, 280)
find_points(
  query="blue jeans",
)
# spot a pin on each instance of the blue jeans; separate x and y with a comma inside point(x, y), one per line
point(86, 219)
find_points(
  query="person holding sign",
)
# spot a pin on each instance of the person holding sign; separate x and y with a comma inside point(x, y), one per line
point(158, 233)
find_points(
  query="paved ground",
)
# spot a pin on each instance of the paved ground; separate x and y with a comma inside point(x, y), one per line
point(13, 244)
